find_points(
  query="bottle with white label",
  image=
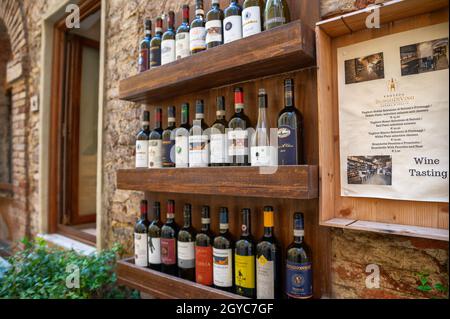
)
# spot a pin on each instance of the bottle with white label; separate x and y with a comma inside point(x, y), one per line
point(155, 142)
point(142, 142)
point(140, 237)
point(182, 43)
point(155, 45)
point(154, 239)
point(252, 17)
point(218, 138)
point(199, 139)
point(261, 151)
point(267, 261)
point(223, 255)
point(168, 41)
point(182, 139)
point(214, 25)
point(186, 247)
point(232, 24)
point(197, 34)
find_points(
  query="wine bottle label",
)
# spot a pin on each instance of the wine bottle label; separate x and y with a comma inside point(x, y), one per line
point(182, 46)
point(214, 31)
point(182, 150)
point(198, 151)
point(140, 250)
point(168, 154)
point(299, 233)
point(168, 249)
point(204, 265)
point(287, 145)
point(155, 154)
point(223, 267)
point(154, 250)
point(186, 255)
point(245, 271)
point(299, 280)
point(275, 21)
point(219, 149)
point(251, 21)
point(197, 38)
point(144, 61)
point(141, 154)
point(238, 143)
point(261, 156)
point(167, 51)
point(265, 278)
point(232, 29)
point(155, 57)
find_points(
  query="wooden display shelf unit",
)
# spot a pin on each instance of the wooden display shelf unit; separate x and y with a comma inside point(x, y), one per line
point(406, 218)
point(163, 286)
point(286, 182)
point(279, 50)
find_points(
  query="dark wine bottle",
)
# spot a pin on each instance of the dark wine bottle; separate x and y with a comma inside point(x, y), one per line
point(199, 138)
point(267, 261)
point(155, 142)
point(245, 259)
point(223, 255)
point(142, 142)
point(182, 45)
point(140, 237)
point(218, 138)
point(290, 130)
point(182, 139)
point(169, 234)
point(168, 41)
point(154, 239)
point(232, 23)
point(155, 45)
point(197, 33)
point(238, 135)
point(186, 247)
point(144, 47)
point(299, 277)
point(214, 25)
point(204, 251)
point(168, 139)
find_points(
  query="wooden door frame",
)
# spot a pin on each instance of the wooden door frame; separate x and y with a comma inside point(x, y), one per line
point(55, 187)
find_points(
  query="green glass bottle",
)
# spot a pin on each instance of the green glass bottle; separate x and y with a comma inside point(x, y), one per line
point(276, 14)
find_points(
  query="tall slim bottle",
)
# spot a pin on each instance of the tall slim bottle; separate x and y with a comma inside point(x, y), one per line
point(168, 139)
point(232, 24)
point(144, 47)
point(182, 45)
point(276, 14)
point(218, 137)
point(155, 142)
point(169, 234)
point(182, 139)
point(154, 239)
point(168, 53)
point(186, 247)
point(214, 25)
point(252, 17)
point(261, 151)
point(140, 237)
point(198, 30)
point(223, 246)
point(199, 138)
point(155, 45)
point(204, 251)
point(142, 142)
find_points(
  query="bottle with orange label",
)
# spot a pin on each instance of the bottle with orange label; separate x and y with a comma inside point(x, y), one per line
point(245, 260)
point(268, 260)
point(204, 251)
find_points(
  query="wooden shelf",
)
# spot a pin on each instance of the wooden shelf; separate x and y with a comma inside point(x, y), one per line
point(163, 286)
point(389, 12)
point(288, 182)
point(279, 50)
point(386, 228)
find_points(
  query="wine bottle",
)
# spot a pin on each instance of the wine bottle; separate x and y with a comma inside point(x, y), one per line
point(182, 46)
point(154, 239)
point(232, 23)
point(182, 139)
point(144, 47)
point(197, 33)
point(252, 17)
point(238, 134)
point(223, 255)
point(140, 237)
point(218, 138)
point(267, 261)
point(168, 139)
point(261, 152)
point(186, 247)
point(214, 25)
point(245, 260)
point(155, 45)
point(299, 277)
point(290, 130)
point(204, 251)
point(142, 142)
point(276, 14)
point(168, 53)
point(155, 142)
point(199, 139)
point(169, 234)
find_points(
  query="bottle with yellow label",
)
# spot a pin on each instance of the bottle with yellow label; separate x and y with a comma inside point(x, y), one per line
point(267, 261)
point(245, 260)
